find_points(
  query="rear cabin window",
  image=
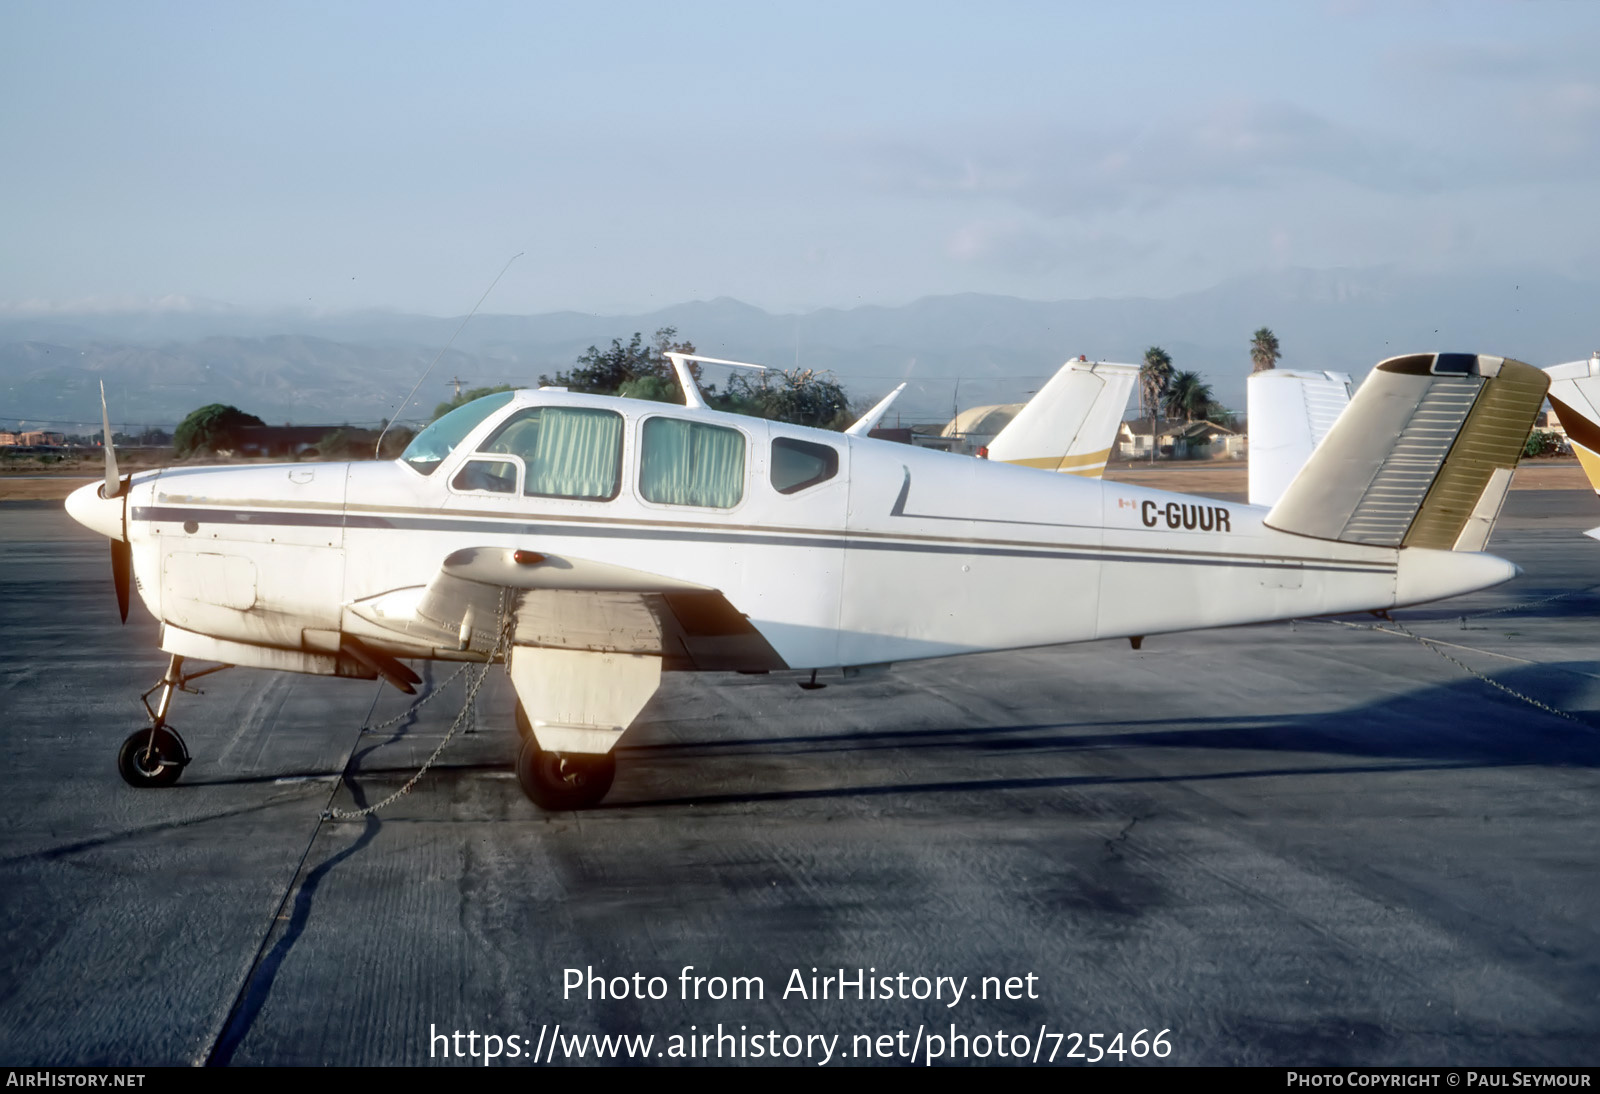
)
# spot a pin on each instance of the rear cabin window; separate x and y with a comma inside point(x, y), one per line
point(799, 464)
point(691, 463)
point(566, 452)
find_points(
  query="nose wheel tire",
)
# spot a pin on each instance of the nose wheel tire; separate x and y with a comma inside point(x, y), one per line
point(152, 759)
point(560, 781)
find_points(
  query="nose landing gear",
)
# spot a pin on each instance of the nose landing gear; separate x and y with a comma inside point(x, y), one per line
point(157, 756)
point(152, 757)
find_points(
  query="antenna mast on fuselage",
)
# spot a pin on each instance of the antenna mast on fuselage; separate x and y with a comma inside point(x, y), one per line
point(377, 449)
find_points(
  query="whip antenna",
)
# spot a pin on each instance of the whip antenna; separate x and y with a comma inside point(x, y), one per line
point(377, 449)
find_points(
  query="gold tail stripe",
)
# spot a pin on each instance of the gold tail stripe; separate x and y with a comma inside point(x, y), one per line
point(1064, 463)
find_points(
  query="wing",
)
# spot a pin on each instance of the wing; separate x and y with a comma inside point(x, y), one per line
point(561, 602)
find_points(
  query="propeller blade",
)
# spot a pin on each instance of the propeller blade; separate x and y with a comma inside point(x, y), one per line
point(122, 573)
point(113, 483)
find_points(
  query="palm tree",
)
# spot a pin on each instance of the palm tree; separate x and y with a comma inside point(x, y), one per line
point(1188, 396)
point(1154, 377)
point(1263, 350)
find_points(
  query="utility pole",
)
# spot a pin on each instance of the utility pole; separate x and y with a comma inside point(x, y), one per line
point(955, 415)
point(456, 382)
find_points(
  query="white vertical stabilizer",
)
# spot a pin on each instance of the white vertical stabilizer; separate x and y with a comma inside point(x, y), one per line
point(1071, 424)
point(1575, 397)
point(1289, 413)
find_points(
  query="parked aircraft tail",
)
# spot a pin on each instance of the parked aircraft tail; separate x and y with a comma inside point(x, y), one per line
point(1071, 424)
point(1289, 414)
point(1575, 396)
point(1422, 457)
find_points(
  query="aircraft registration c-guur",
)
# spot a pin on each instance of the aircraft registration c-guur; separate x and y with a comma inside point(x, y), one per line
point(594, 543)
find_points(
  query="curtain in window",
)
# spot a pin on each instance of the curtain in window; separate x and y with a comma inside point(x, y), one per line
point(690, 463)
point(578, 454)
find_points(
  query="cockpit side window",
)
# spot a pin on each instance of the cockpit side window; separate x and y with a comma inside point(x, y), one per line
point(691, 463)
point(428, 449)
point(567, 452)
point(486, 476)
point(797, 465)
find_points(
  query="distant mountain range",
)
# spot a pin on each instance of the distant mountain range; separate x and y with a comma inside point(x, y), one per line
point(961, 350)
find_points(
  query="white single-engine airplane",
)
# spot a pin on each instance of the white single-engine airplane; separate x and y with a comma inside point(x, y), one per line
point(595, 542)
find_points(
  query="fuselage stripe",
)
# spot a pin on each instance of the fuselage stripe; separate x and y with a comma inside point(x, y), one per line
point(504, 526)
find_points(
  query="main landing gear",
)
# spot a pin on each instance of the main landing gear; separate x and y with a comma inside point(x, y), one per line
point(560, 781)
point(157, 756)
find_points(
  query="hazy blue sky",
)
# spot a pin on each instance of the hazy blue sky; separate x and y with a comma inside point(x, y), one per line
point(336, 155)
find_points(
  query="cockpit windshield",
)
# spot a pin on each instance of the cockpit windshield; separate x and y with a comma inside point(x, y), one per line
point(429, 448)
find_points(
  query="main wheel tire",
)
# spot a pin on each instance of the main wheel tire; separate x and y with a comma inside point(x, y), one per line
point(146, 761)
point(560, 781)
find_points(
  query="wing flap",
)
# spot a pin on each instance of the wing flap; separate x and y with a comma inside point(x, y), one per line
point(569, 603)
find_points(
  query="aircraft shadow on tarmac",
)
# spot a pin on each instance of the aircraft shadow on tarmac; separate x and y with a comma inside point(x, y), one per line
point(1465, 724)
point(1533, 603)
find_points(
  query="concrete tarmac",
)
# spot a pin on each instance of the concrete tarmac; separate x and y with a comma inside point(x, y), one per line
point(1305, 843)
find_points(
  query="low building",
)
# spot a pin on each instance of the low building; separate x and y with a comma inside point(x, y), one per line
point(1178, 440)
point(282, 441)
point(1546, 421)
point(971, 429)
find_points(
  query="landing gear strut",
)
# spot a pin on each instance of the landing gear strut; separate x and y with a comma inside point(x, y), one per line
point(157, 756)
point(560, 781)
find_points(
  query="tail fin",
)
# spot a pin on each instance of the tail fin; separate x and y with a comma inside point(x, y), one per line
point(1071, 424)
point(1575, 396)
point(1289, 414)
point(869, 421)
point(1421, 458)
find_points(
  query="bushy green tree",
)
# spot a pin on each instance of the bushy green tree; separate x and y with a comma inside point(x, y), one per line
point(654, 388)
point(607, 372)
point(638, 370)
point(1542, 443)
point(212, 428)
point(797, 396)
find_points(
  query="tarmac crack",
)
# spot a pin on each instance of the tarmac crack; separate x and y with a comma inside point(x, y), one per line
point(270, 955)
